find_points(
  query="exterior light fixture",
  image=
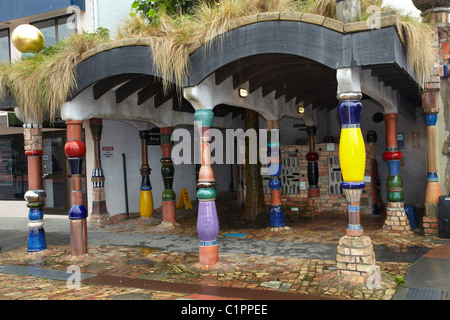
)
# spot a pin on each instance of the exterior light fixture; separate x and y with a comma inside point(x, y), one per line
point(301, 110)
point(243, 93)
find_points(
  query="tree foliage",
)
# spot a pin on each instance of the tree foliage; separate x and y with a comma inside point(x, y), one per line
point(151, 9)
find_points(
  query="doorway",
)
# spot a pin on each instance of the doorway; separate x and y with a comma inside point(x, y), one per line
point(54, 172)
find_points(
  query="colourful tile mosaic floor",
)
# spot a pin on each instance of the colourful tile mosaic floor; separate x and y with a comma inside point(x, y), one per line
point(269, 273)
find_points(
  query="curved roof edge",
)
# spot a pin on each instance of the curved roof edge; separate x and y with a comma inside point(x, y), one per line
point(387, 19)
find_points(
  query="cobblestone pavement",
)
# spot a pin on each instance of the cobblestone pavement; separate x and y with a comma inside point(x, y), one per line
point(313, 277)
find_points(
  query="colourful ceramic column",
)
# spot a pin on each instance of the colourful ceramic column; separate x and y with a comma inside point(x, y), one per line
point(352, 155)
point(396, 217)
point(207, 220)
point(433, 189)
point(393, 156)
point(313, 166)
point(146, 198)
point(99, 214)
point(35, 196)
point(75, 150)
point(276, 218)
point(167, 172)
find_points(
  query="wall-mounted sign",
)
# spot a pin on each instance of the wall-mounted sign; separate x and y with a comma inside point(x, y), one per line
point(154, 137)
point(107, 152)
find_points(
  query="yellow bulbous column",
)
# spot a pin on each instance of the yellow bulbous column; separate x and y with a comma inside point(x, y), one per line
point(146, 203)
point(352, 155)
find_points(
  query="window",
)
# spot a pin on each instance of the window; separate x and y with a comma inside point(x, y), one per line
point(5, 55)
point(56, 29)
point(13, 167)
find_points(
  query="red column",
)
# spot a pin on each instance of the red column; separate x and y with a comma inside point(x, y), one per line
point(75, 150)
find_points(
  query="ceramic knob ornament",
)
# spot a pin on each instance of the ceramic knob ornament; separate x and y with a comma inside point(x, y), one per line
point(28, 39)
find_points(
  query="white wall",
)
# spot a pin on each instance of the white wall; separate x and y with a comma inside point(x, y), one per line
point(111, 13)
point(125, 139)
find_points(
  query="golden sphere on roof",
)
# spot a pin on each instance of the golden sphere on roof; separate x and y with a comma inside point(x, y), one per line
point(28, 38)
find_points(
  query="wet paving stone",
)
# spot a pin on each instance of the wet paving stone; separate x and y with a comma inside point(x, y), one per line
point(256, 272)
point(96, 267)
point(141, 262)
point(133, 296)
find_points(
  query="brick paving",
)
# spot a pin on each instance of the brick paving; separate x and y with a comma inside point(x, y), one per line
point(270, 273)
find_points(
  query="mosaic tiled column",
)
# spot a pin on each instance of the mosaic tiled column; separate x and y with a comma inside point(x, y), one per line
point(207, 220)
point(167, 172)
point(146, 197)
point(352, 157)
point(313, 167)
point(276, 218)
point(75, 149)
point(355, 258)
point(396, 218)
point(99, 214)
point(35, 196)
point(433, 189)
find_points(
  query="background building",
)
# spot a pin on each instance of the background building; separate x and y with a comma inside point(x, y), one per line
point(57, 19)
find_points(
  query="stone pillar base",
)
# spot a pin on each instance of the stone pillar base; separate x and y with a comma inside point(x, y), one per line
point(397, 220)
point(356, 260)
point(430, 225)
point(99, 220)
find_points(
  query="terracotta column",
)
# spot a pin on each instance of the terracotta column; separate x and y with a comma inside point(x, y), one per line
point(35, 195)
point(396, 218)
point(99, 214)
point(146, 198)
point(276, 218)
point(313, 166)
point(207, 220)
point(433, 189)
point(75, 150)
point(167, 172)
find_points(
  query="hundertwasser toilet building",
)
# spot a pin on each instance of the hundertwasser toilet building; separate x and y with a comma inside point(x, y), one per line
point(359, 129)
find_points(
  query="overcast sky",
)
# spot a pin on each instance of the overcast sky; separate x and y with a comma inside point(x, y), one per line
point(406, 5)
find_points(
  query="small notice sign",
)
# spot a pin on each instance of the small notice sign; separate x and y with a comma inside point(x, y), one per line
point(107, 152)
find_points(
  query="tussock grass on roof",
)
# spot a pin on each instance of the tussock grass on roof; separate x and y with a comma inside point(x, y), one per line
point(42, 84)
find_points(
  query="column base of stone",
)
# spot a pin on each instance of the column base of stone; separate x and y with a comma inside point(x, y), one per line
point(356, 260)
point(313, 206)
point(397, 221)
point(430, 225)
point(99, 219)
point(208, 253)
